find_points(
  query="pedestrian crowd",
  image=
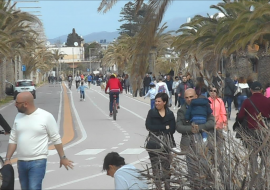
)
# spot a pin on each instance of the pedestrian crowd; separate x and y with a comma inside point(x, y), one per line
point(201, 112)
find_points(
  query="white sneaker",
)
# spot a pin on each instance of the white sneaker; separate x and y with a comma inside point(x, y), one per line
point(83, 99)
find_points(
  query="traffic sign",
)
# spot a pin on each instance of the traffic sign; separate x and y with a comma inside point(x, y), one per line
point(23, 67)
point(88, 70)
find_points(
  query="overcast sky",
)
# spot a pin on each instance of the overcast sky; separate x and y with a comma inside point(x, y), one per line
point(59, 17)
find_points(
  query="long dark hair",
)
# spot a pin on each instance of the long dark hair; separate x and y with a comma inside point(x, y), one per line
point(113, 158)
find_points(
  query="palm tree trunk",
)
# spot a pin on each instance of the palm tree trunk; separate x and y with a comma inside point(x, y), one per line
point(2, 78)
point(263, 70)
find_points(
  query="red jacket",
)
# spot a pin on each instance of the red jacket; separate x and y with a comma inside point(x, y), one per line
point(263, 105)
point(114, 85)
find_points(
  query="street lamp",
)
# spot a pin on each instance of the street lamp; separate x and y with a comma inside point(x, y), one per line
point(75, 44)
point(90, 60)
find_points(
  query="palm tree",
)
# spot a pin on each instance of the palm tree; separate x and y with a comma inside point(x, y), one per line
point(119, 53)
point(57, 54)
point(145, 38)
point(16, 36)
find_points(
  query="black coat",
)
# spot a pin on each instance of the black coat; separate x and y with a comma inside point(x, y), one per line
point(157, 124)
point(229, 87)
point(146, 81)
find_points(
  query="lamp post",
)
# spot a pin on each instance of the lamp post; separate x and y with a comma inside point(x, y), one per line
point(75, 44)
point(90, 60)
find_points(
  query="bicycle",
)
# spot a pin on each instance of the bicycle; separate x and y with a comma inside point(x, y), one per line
point(114, 106)
point(69, 84)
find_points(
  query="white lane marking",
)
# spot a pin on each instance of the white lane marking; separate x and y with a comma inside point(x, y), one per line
point(90, 152)
point(125, 140)
point(126, 134)
point(121, 143)
point(3, 154)
point(90, 158)
point(132, 98)
point(133, 151)
point(114, 147)
point(92, 176)
point(84, 134)
point(127, 137)
point(60, 110)
point(7, 105)
point(122, 106)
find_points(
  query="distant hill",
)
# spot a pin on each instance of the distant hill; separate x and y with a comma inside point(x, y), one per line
point(95, 36)
point(173, 24)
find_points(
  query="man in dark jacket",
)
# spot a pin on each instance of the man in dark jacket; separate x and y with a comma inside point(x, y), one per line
point(229, 90)
point(146, 83)
point(249, 112)
point(180, 90)
point(187, 143)
point(169, 83)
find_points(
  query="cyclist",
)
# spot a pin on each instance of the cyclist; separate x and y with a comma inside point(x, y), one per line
point(69, 80)
point(77, 80)
point(81, 89)
point(115, 88)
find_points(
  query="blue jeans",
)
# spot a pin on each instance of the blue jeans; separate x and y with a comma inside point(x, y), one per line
point(31, 173)
point(200, 120)
point(152, 102)
point(145, 90)
point(240, 100)
point(229, 100)
point(82, 94)
point(181, 100)
point(111, 100)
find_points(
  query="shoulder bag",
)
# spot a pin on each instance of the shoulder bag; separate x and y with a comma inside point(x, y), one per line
point(238, 90)
point(260, 117)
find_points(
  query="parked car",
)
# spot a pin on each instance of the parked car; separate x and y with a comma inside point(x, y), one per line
point(9, 88)
point(24, 85)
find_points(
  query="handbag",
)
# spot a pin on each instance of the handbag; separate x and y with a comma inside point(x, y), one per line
point(238, 90)
point(152, 143)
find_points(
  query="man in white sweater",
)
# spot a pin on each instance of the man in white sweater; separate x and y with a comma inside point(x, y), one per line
point(32, 130)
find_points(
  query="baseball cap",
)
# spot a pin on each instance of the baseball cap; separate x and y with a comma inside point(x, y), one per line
point(152, 84)
point(256, 85)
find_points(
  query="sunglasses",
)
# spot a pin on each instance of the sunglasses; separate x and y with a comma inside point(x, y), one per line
point(213, 91)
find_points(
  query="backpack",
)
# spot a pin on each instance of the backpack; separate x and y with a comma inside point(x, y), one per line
point(161, 89)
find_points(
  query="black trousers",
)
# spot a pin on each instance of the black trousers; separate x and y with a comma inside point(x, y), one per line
point(161, 168)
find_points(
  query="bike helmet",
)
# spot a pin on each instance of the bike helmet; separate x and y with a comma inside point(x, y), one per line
point(113, 75)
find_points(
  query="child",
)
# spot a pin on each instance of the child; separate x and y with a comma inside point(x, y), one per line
point(81, 88)
point(197, 113)
point(152, 93)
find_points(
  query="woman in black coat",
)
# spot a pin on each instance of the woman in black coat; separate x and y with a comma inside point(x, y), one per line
point(161, 122)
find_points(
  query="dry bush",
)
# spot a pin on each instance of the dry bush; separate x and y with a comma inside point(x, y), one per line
point(227, 166)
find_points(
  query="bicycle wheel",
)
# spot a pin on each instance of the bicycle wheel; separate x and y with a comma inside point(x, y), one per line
point(114, 110)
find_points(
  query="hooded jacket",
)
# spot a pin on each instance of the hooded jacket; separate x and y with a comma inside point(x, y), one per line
point(219, 112)
point(198, 107)
point(128, 178)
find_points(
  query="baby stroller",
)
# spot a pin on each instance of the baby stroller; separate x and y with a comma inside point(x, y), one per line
point(6, 171)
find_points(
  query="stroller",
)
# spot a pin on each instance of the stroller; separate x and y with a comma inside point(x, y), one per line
point(6, 171)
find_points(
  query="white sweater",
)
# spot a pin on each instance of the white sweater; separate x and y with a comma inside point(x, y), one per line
point(32, 134)
point(161, 84)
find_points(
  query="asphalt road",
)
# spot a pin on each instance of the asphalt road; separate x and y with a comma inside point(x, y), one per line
point(96, 134)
